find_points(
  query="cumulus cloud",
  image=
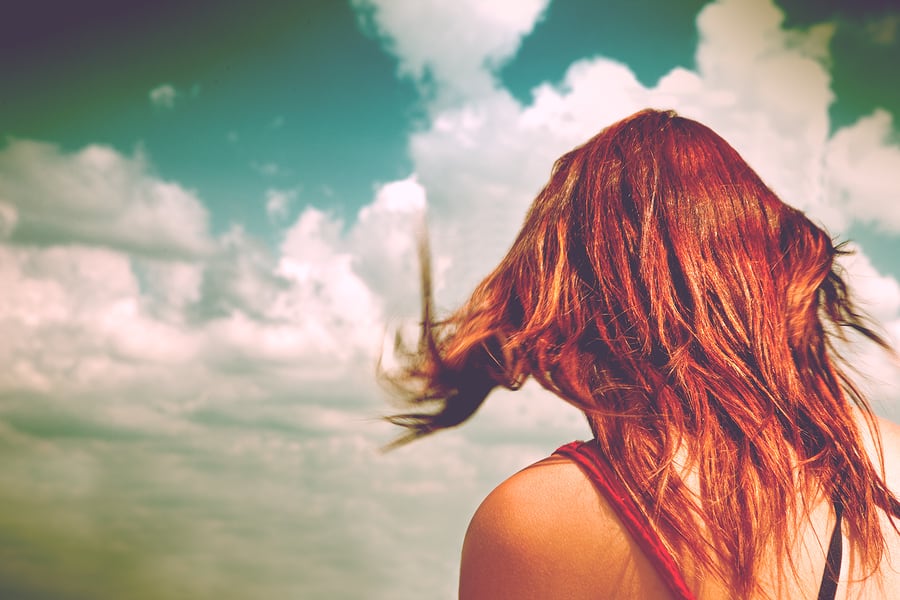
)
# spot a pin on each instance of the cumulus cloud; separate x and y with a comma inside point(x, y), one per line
point(247, 364)
point(73, 325)
point(863, 170)
point(383, 245)
point(454, 46)
point(96, 196)
point(84, 317)
point(114, 285)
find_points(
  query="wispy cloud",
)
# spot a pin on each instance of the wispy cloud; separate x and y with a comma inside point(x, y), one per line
point(884, 30)
point(166, 95)
point(279, 201)
point(268, 169)
point(163, 96)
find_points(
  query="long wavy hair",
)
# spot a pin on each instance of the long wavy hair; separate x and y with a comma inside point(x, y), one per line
point(662, 288)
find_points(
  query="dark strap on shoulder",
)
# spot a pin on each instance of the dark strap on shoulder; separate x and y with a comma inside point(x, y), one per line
point(828, 587)
point(604, 479)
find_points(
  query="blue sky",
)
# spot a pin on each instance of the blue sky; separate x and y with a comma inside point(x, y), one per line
point(206, 226)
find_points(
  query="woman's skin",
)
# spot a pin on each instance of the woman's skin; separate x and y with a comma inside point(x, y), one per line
point(546, 533)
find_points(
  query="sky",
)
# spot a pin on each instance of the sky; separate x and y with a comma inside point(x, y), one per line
point(207, 219)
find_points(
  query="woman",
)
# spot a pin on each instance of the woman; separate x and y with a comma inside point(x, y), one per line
point(659, 286)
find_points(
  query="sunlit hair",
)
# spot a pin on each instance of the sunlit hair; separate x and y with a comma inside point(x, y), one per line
point(659, 286)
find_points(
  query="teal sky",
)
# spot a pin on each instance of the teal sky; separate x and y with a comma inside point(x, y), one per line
point(292, 84)
point(292, 95)
point(206, 227)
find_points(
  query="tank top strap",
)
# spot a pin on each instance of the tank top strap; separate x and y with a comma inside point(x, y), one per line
point(601, 475)
point(828, 587)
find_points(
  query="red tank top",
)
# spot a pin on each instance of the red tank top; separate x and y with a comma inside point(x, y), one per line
point(601, 475)
point(585, 455)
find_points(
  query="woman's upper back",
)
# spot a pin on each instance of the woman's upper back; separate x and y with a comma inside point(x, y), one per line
point(547, 533)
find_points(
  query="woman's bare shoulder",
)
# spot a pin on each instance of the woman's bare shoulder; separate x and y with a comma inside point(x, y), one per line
point(545, 532)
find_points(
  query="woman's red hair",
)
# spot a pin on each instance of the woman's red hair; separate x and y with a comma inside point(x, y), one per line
point(659, 286)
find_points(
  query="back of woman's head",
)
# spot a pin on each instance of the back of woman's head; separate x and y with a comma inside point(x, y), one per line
point(660, 286)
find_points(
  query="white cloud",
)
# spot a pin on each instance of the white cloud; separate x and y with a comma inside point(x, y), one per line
point(278, 202)
point(9, 217)
point(97, 196)
point(246, 369)
point(863, 170)
point(90, 319)
point(163, 96)
point(454, 45)
point(171, 286)
point(383, 246)
point(878, 295)
point(73, 323)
